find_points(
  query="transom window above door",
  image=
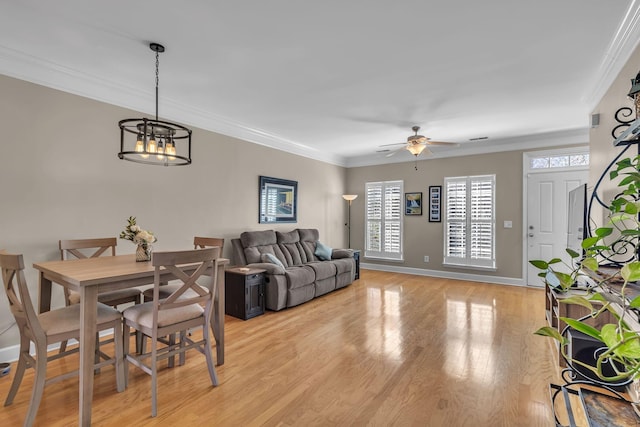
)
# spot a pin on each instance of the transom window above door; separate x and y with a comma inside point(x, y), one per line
point(559, 161)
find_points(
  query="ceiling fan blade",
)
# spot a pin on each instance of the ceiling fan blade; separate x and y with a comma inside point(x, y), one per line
point(389, 145)
point(394, 151)
point(451, 144)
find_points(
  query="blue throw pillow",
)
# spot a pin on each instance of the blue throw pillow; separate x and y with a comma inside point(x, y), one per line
point(323, 251)
point(270, 258)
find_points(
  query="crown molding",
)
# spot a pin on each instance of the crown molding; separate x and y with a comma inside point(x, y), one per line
point(617, 54)
point(46, 73)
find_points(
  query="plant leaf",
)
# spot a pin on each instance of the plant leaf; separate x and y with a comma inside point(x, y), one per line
point(590, 263)
point(538, 263)
point(635, 303)
point(583, 327)
point(578, 300)
point(604, 231)
point(589, 241)
point(631, 272)
point(572, 253)
point(548, 331)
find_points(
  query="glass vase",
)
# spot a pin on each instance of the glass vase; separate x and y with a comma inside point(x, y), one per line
point(143, 253)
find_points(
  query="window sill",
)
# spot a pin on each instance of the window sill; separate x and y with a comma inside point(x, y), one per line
point(382, 259)
point(469, 267)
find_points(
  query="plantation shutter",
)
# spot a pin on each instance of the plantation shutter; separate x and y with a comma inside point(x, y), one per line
point(470, 221)
point(384, 220)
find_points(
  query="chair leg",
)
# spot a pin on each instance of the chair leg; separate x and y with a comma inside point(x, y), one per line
point(63, 346)
point(119, 354)
point(38, 383)
point(208, 354)
point(154, 376)
point(182, 356)
point(96, 356)
point(126, 332)
point(172, 360)
point(20, 369)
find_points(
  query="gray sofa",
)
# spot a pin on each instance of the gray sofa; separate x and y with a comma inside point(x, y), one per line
point(301, 276)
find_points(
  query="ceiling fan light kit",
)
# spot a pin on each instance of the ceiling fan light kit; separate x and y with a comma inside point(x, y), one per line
point(417, 144)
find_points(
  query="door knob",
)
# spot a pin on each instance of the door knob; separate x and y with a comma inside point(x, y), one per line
point(530, 234)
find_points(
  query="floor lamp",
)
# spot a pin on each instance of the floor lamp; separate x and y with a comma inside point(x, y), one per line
point(349, 198)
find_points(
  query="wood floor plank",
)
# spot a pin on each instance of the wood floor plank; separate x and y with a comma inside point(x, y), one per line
point(390, 349)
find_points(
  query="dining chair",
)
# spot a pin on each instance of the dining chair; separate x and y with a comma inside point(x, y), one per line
point(189, 306)
point(198, 243)
point(48, 328)
point(93, 248)
point(167, 289)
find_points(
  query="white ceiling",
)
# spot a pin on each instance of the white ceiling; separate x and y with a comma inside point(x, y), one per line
point(334, 80)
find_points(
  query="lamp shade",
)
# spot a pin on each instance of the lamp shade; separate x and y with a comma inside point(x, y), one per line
point(349, 197)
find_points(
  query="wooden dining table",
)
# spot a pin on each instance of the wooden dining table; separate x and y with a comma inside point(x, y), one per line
point(91, 276)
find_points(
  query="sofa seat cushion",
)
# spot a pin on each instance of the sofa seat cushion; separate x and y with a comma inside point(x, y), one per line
point(343, 265)
point(323, 269)
point(298, 277)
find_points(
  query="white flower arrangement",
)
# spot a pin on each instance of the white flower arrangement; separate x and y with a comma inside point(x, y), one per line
point(136, 234)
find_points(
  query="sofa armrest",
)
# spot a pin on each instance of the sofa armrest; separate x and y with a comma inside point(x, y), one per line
point(341, 253)
point(270, 268)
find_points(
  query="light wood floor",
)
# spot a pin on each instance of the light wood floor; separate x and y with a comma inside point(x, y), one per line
point(390, 349)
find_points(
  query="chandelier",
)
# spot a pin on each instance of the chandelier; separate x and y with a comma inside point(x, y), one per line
point(153, 141)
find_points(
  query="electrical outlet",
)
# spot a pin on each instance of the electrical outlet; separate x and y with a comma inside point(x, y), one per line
point(426, 258)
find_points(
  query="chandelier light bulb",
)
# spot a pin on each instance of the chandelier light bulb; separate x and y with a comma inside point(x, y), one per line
point(160, 151)
point(139, 144)
point(170, 150)
point(152, 147)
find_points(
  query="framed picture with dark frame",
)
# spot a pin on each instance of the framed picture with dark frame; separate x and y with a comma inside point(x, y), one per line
point(435, 203)
point(413, 203)
point(278, 200)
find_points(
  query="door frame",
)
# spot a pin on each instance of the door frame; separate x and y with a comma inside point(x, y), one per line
point(526, 170)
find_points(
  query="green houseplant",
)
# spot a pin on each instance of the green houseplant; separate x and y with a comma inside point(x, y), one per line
point(619, 237)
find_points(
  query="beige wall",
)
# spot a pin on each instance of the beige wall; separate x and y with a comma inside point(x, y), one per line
point(61, 178)
point(422, 237)
point(601, 140)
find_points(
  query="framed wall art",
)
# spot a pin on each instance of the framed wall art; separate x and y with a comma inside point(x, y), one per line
point(278, 200)
point(413, 203)
point(435, 203)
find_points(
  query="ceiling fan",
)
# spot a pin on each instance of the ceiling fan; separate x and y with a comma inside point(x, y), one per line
point(417, 144)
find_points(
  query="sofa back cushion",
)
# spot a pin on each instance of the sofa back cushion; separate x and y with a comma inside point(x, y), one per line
point(308, 240)
point(256, 243)
point(289, 244)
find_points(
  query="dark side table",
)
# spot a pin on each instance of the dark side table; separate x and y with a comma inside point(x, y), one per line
point(244, 292)
point(356, 257)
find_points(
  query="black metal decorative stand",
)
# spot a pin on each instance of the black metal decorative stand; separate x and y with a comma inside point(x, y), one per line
point(626, 134)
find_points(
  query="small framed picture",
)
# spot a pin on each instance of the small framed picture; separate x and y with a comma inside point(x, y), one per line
point(413, 203)
point(435, 205)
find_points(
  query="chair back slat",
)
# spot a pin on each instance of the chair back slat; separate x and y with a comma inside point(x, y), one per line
point(17, 291)
point(177, 263)
point(101, 245)
point(207, 242)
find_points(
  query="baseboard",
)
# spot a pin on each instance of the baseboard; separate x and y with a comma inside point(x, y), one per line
point(512, 281)
point(10, 354)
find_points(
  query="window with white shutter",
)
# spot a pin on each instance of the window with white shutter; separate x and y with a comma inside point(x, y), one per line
point(470, 221)
point(384, 220)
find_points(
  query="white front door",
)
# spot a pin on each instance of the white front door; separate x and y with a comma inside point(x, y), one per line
point(547, 215)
